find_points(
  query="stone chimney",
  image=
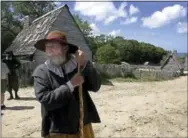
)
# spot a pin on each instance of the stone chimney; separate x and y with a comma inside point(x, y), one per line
point(27, 21)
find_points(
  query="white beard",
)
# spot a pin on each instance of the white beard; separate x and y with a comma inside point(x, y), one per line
point(57, 60)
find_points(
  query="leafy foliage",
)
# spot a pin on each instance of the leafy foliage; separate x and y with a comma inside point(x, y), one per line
point(9, 25)
point(32, 8)
point(108, 54)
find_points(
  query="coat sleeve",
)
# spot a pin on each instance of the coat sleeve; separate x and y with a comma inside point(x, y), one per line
point(92, 77)
point(51, 99)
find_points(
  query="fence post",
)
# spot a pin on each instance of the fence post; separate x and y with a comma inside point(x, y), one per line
point(140, 75)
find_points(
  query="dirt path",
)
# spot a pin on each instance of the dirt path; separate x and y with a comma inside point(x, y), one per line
point(150, 109)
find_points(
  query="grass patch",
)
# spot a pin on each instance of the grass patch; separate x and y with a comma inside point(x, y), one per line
point(128, 79)
point(107, 80)
point(133, 79)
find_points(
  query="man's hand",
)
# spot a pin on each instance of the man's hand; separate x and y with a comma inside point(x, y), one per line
point(81, 58)
point(77, 80)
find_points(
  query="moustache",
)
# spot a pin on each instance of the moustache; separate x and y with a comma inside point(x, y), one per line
point(57, 60)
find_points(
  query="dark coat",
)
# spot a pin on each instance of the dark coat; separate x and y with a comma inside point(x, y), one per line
point(59, 106)
point(13, 77)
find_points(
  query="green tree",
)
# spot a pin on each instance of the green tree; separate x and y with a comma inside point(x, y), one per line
point(9, 24)
point(86, 30)
point(108, 54)
point(100, 40)
point(32, 8)
point(117, 41)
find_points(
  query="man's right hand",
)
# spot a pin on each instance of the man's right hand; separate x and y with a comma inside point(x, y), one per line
point(77, 80)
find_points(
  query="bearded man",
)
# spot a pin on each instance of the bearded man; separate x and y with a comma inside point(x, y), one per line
point(56, 88)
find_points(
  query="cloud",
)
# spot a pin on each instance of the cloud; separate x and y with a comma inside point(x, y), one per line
point(182, 27)
point(133, 10)
point(58, 3)
point(110, 19)
point(115, 33)
point(164, 17)
point(101, 11)
point(95, 29)
point(130, 20)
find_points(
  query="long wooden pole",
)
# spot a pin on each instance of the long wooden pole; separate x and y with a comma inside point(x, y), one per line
point(81, 105)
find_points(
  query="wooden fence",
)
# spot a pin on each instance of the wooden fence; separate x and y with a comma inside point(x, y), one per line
point(155, 75)
point(150, 73)
point(112, 70)
point(25, 73)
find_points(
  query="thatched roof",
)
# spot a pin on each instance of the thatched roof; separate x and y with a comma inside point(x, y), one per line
point(23, 45)
point(24, 41)
point(174, 56)
point(186, 62)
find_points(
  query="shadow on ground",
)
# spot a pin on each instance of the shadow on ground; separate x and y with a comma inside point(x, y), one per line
point(19, 108)
point(107, 82)
point(26, 98)
point(105, 79)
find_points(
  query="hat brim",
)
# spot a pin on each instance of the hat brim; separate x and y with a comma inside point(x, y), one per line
point(40, 45)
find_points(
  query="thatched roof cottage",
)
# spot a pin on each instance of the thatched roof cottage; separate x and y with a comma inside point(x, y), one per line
point(186, 63)
point(58, 19)
point(172, 64)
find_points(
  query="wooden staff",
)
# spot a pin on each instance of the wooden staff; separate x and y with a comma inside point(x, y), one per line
point(81, 104)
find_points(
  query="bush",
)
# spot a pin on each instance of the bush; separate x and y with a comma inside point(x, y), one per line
point(108, 55)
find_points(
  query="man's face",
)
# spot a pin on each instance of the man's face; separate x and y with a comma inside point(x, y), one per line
point(56, 52)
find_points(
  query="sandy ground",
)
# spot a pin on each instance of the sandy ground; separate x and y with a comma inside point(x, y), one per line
point(145, 109)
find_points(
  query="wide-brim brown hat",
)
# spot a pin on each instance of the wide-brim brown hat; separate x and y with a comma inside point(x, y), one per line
point(57, 36)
